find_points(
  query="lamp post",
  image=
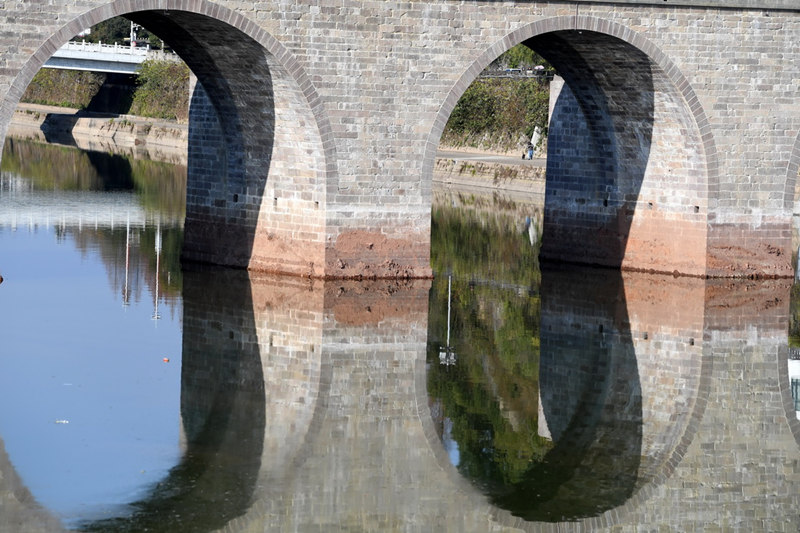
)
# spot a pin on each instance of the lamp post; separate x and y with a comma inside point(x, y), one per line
point(156, 316)
point(447, 355)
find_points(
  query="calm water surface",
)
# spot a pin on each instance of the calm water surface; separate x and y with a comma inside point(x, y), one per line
point(501, 396)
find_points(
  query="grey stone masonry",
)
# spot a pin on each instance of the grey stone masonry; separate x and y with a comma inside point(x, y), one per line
point(676, 146)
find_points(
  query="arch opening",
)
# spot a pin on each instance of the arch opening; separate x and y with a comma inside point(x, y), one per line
point(257, 161)
point(627, 179)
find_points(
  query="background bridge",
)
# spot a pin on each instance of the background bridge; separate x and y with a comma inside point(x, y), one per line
point(99, 57)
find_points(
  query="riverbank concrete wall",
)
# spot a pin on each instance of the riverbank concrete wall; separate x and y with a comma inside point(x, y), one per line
point(678, 151)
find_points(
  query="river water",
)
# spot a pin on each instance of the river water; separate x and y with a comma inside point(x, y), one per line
point(139, 395)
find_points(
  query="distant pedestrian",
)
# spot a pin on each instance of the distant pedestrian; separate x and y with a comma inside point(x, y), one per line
point(530, 151)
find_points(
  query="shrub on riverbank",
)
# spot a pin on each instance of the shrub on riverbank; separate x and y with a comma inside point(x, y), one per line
point(64, 88)
point(162, 91)
point(498, 114)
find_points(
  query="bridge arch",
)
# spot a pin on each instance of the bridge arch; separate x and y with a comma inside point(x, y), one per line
point(627, 156)
point(258, 130)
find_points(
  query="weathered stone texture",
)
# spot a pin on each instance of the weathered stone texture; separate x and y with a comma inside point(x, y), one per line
point(331, 114)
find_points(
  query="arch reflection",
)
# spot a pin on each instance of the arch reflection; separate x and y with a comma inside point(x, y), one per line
point(222, 413)
point(608, 412)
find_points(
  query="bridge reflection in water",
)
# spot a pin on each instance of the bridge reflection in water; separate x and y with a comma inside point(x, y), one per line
point(305, 406)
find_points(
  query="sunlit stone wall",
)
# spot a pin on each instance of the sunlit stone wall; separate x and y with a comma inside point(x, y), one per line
point(747, 420)
point(666, 317)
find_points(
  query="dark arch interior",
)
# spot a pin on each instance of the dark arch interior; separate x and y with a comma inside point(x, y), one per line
point(598, 146)
point(223, 412)
point(231, 126)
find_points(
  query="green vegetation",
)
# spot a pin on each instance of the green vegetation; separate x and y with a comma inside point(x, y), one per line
point(491, 393)
point(498, 113)
point(519, 56)
point(162, 91)
point(65, 88)
point(113, 30)
point(501, 113)
point(118, 30)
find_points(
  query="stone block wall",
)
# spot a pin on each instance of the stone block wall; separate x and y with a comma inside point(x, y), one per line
point(692, 110)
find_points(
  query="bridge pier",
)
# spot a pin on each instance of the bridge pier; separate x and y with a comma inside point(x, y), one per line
point(675, 148)
point(625, 161)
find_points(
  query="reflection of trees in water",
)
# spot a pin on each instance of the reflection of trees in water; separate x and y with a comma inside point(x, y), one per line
point(130, 259)
point(489, 399)
point(160, 187)
point(488, 241)
point(131, 273)
point(63, 168)
point(491, 393)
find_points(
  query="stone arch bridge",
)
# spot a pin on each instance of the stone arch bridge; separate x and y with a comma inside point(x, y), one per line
point(315, 127)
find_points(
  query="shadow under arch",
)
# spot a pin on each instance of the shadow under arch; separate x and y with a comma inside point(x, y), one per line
point(626, 98)
point(256, 95)
point(223, 413)
point(591, 402)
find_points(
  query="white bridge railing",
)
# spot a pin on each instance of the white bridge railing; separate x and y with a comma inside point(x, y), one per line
point(105, 57)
